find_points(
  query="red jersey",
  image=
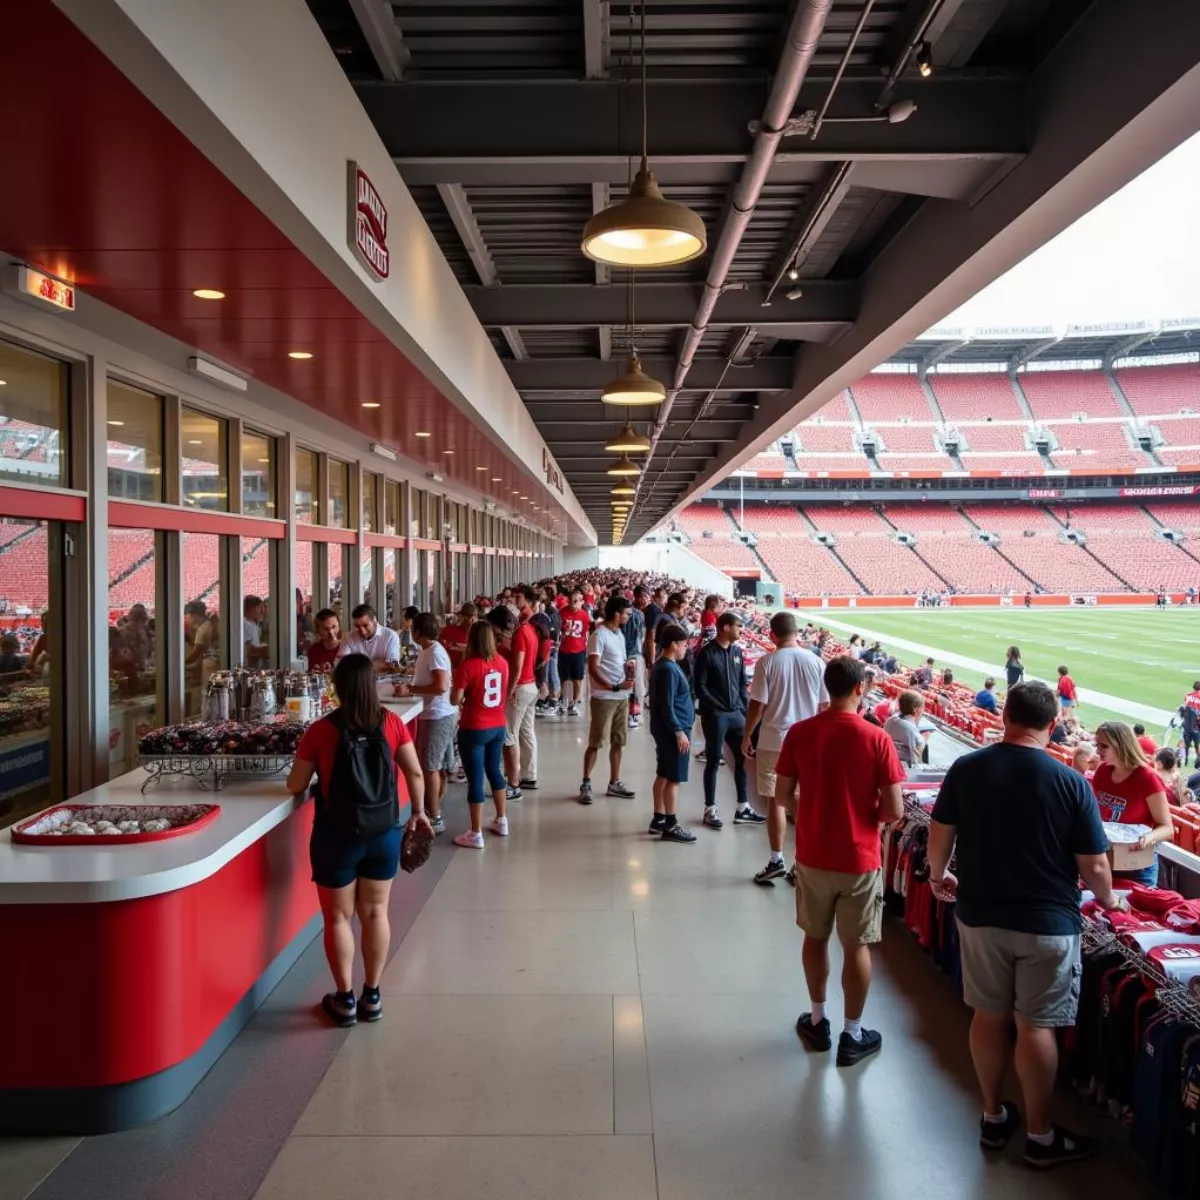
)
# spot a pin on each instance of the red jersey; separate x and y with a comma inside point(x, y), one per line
point(1149, 749)
point(1066, 687)
point(525, 638)
point(576, 624)
point(319, 657)
point(484, 685)
point(561, 602)
point(1125, 802)
point(320, 742)
point(841, 762)
point(454, 638)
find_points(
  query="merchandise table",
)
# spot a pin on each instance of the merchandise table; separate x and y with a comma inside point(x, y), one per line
point(134, 966)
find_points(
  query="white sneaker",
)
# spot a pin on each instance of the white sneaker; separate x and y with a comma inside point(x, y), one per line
point(573, 710)
point(470, 840)
point(499, 826)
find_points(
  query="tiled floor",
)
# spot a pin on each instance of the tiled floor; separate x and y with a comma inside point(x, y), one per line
point(583, 1011)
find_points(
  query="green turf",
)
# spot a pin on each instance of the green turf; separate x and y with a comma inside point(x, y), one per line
point(1140, 654)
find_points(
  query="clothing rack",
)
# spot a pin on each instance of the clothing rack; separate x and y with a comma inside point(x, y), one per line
point(1173, 996)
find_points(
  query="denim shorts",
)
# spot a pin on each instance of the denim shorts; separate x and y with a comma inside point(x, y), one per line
point(338, 860)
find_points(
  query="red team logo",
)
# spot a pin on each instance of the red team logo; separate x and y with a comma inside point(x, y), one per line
point(368, 224)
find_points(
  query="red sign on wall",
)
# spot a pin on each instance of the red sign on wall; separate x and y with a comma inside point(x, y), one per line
point(368, 223)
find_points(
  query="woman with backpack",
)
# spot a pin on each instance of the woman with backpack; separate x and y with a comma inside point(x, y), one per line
point(355, 846)
point(481, 687)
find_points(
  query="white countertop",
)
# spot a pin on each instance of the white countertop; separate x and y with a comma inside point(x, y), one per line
point(250, 808)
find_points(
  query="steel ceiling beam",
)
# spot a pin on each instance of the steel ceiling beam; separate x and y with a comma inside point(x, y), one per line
point(516, 343)
point(595, 38)
point(663, 305)
point(589, 374)
point(454, 197)
point(378, 24)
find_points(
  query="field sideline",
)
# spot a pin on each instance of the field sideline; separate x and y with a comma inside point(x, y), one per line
point(1141, 655)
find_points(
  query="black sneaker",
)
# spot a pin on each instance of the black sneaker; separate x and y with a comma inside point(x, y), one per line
point(995, 1135)
point(747, 816)
point(771, 872)
point(677, 833)
point(341, 1010)
point(814, 1036)
point(513, 793)
point(529, 785)
point(851, 1051)
point(370, 1004)
point(658, 824)
point(712, 817)
point(1067, 1147)
point(790, 876)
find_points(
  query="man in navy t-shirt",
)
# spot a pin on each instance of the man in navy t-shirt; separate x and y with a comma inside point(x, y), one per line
point(986, 699)
point(1026, 827)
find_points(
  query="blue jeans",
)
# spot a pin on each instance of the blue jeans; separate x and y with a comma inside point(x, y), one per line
point(482, 752)
point(1147, 876)
point(553, 683)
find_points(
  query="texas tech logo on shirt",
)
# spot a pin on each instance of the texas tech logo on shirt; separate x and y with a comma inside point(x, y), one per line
point(1111, 807)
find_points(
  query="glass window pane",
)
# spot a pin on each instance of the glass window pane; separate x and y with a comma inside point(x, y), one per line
point(33, 417)
point(308, 509)
point(337, 581)
point(389, 587)
point(304, 596)
point(258, 475)
point(339, 493)
point(391, 512)
point(416, 516)
point(135, 644)
point(370, 490)
point(205, 473)
point(29, 670)
point(366, 578)
point(135, 441)
point(203, 645)
point(256, 641)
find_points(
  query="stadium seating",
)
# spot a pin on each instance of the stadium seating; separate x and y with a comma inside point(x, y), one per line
point(1011, 519)
point(974, 397)
point(698, 519)
point(816, 463)
point(201, 567)
point(915, 462)
point(775, 518)
point(1098, 517)
point(1152, 391)
point(884, 397)
point(886, 567)
point(1058, 566)
point(25, 570)
point(1145, 562)
point(925, 518)
point(907, 439)
point(838, 409)
point(843, 520)
point(1029, 463)
point(993, 438)
point(1179, 455)
point(769, 462)
point(1176, 514)
point(1179, 431)
point(1058, 395)
point(969, 565)
point(806, 568)
point(829, 439)
point(726, 555)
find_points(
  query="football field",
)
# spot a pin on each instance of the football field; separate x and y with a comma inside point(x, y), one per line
point(1138, 658)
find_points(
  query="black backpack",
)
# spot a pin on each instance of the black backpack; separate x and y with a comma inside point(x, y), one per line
point(362, 801)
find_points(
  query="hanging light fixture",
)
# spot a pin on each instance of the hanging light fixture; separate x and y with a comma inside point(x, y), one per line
point(624, 466)
point(624, 489)
point(628, 441)
point(645, 229)
point(634, 389)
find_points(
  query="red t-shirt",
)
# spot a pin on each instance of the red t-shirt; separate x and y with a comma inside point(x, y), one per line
point(319, 656)
point(454, 638)
point(484, 685)
point(561, 601)
point(575, 626)
point(320, 742)
point(1149, 749)
point(1066, 687)
point(525, 638)
point(1125, 802)
point(841, 762)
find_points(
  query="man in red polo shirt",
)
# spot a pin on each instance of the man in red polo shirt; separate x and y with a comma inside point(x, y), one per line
point(849, 780)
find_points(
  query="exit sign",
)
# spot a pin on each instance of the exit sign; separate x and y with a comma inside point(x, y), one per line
point(36, 285)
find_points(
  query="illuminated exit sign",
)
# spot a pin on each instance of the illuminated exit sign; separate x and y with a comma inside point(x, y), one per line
point(38, 286)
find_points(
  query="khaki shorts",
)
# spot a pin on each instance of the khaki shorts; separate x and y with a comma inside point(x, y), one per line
point(1036, 976)
point(609, 723)
point(853, 902)
point(764, 772)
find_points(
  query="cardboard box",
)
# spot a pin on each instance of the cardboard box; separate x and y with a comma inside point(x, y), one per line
point(1124, 854)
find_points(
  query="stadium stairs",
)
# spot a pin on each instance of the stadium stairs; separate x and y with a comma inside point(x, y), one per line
point(766, 576)
point(1119, 392)
point(934, 407)
point(1112, 570)
point(997, 550)
point(879, 512)
point(1022, 399)
point(1162, 525)
point(866, 591)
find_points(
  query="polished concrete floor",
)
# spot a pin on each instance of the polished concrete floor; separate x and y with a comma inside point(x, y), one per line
point(583, 1011)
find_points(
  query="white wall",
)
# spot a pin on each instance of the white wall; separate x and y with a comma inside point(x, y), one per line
point(668, 558)
point(580, 558)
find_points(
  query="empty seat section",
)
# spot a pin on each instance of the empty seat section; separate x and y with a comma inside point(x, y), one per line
point(1175, 456)
point(1176, 514)
point(1154, 390)
point(891, 397)
point(1010, 464)
point(769, 518)
point(886, 567)
point(842, 519)
point(1180, 431)
point(976, 397)
point(816, 463)
point(726, 555)
point(1093, 445)
point(1100, 516)
point(925, 518)
point(1145, 561)
point(806, 568)
point(23, 568)
point(1061, 394)
point(826, 439)
point(969, 564)
point(1010, 519)
point(838, 409)
point(980, 438)
point(915, 462)
point(1058, 566)
point(698, 519)
point(906, 439)
point(767, 462)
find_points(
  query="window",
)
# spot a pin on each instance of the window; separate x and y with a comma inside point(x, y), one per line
point(388, 613)
point(135, 643)
point(305, 613)
point(339, 493)
point(204, 648)
point(205, 472)
point(337, 582)
point(258, 475)
point(416, 513)
point(366, 579)
point(370, 489)
point(391, 509)
point(135, 443)
point(307, 499)
point(33, 417)
point(256, 641)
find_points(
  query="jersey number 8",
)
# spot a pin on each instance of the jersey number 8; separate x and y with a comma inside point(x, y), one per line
point(491, 690)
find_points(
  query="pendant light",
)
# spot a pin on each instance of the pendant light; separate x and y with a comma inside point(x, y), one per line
point(634, 389)
point(645, 229)
point(625, 466)
point(628, 441)
point(624, 489)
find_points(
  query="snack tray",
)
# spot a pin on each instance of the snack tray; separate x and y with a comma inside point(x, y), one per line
point(199, 768)
point(188, 818)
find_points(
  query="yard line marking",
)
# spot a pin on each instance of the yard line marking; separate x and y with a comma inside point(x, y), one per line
point(1128, 708)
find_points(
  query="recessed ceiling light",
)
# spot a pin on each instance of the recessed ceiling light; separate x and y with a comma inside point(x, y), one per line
point(3, 383)
point(422, 433)
point(196, 442)
point(116, 422)
point(447, 451)
point(523, 497)
point(496, 479)
point(299, 354)
point(208, 294)
point(516, 491)
point(264, 460)
point(481, 468)
point(370, 404)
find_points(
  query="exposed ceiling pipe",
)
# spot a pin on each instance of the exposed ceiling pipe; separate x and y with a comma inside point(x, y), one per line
point(803, 34)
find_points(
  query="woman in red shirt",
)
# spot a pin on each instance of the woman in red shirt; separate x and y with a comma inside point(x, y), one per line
point(1130, 792)
point(354, 874)
point(572, 652)
point(480, 686)
point(708, 618)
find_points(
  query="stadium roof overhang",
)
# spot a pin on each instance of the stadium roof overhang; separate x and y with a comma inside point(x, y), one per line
point(510, 131)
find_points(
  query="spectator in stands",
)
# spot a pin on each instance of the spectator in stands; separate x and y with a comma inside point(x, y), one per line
point(1130, 792)
point(1066, 689)
point(1149, 749)
point(1014, 669)
point(891, 664)
point(849, 780)
point(1189, 723)
point(323, 653)
point(610, 678)
point(708, 618)
point(1018, 913)
point(194, 616)
point(1084, 759)
point(904, 728)
point(11, 659)
point(1166, 763)
point(854, 648)
point(671, 717)
point(923, 676)
point(380, 644)
point(986, 699)
point(256, 651)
